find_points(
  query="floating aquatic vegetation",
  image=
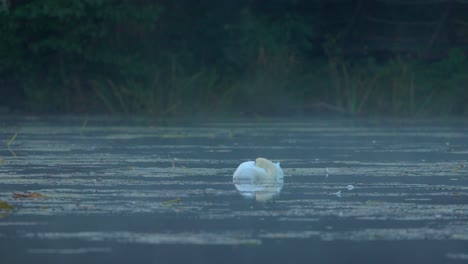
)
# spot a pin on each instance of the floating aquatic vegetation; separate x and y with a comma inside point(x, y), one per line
point(85, 123)
point(16, 223)
point(5, 206)
point(458, 168)
point(172, 202)
point(12, 139)
point(33, 195)
point(197, 238)
point(5, 209)
point(10, 142)
point(457, 256)
point(68, 250)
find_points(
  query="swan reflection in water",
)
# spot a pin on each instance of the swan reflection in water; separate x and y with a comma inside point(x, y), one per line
point(261, 179)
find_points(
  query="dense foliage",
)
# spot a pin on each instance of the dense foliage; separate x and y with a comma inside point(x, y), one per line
point(244, 56)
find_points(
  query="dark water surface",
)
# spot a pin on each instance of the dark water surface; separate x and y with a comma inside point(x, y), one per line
point(122, 191)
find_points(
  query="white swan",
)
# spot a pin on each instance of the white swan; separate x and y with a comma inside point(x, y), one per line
point(259, 170)
point(261, 179)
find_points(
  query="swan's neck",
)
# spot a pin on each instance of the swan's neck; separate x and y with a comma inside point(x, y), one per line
point(267, 165)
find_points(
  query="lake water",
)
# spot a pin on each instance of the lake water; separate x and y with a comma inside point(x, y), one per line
point(120, 190)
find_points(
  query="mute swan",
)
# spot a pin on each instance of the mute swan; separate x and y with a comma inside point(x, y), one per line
point(261, 179)
point(259, 170)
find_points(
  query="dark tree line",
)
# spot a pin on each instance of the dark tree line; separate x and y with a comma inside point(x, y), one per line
point(177, 57)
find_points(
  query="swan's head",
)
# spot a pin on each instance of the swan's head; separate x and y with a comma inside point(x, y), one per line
point(273, 170)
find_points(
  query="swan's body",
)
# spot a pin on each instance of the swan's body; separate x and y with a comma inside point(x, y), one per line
point(259, 170)
point(260, 179)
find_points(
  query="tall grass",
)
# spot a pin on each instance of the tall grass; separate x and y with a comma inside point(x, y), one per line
point(397, 87)
point(274, 83)
point(174, 93)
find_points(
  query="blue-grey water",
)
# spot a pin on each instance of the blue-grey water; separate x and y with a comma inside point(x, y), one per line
point(126, 190)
